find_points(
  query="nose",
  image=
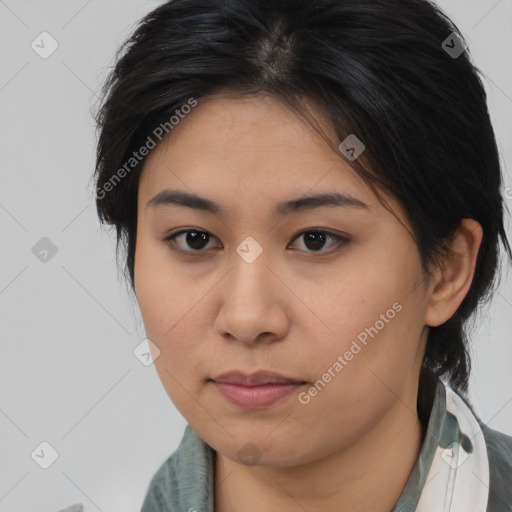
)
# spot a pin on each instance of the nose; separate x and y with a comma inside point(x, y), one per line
point(253, 303)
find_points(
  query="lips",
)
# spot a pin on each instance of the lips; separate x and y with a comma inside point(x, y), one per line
point(258, 378)
point(255, 391)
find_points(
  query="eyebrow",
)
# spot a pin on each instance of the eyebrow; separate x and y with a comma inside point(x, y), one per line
point(169, 197)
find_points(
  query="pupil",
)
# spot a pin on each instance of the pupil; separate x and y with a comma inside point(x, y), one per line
point(195, 237)
point(315, 237)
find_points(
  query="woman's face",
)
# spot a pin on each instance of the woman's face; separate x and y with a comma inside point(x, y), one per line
point(261, 288)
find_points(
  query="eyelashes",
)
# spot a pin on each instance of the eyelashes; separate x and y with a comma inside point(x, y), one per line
point(196, 240)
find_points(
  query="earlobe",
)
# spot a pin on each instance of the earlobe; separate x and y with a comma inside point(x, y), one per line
point(453, 277)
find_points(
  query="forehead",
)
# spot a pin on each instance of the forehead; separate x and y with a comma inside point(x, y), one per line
point(256, 142)
point(251, 156)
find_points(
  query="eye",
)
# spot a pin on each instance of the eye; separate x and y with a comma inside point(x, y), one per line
point(315, 240)
point(194, 238)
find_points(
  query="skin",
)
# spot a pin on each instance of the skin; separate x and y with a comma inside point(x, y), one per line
point(293, 310)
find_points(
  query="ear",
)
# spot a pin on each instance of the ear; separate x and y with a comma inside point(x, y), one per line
point(452, 278)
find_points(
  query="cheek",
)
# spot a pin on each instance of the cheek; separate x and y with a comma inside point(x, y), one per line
point(169, 310)
point(157, 293)
point(353, 302)
point(169, 325)
point(374, 320)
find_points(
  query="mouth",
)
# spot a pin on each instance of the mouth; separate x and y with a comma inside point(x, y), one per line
point(259, 378)
point(255, 391)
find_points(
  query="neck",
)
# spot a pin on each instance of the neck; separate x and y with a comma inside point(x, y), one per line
point(370, 474)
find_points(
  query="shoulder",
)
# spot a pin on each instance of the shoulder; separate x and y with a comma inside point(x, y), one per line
point(499, 443)
point(184, 481)
point(162, 486)
point(499, 451)
point(77, 507)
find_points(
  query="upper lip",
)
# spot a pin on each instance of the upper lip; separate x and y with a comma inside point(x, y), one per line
point(258, 378)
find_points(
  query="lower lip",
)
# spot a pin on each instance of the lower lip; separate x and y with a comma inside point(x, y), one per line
point(256, 397)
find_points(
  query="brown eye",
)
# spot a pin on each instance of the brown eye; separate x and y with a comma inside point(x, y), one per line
point(315, 240)
point(191, 240)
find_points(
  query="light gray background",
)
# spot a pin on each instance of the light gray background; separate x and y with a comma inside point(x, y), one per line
point(68, 375)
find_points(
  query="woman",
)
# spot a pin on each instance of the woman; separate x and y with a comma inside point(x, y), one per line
point(309, 198)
